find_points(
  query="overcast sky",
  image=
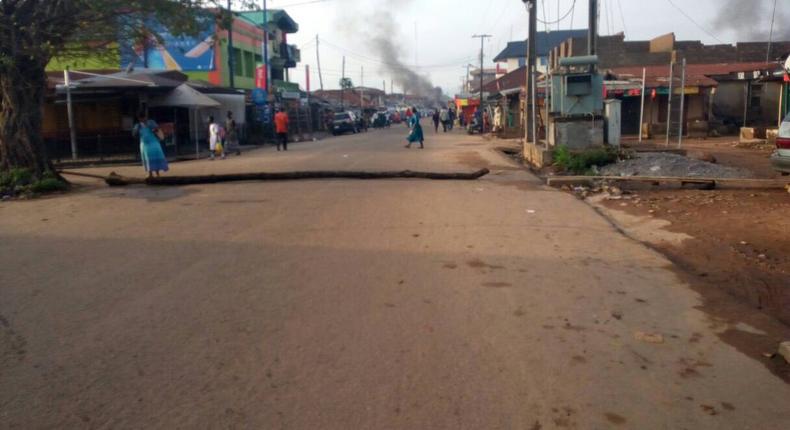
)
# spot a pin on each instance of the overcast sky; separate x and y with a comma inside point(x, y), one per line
point(444, 29)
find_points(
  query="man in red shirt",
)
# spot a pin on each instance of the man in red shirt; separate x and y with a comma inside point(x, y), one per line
point(281, 128)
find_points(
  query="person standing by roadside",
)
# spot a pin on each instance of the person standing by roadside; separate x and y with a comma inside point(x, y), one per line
point(231, 135)
point(444, 116)
point(281, 127)
point(215, 139)
point(435, 121)
point(451, 118)
point(151, 153)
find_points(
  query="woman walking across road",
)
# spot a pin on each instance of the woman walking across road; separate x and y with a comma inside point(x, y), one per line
point(435, 121)
point(416, 134)
point(151, 152)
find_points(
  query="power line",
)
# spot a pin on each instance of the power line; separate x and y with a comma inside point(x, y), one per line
point(771, 34)
point(694, 22)
point(622, 16)
point(559, 19)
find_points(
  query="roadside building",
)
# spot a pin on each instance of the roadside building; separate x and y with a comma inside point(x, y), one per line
point(514, 56)
point(714, 96)
point(105, 107)
point(508, 93)
point(489, 75)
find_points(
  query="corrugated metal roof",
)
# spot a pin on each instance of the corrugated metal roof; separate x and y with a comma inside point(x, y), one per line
point(696, 74)
point(546, 41)
point(514, 79)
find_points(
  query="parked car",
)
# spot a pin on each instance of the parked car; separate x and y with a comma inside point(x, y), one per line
point(781, 157)
point(380, 120)
point(344, 122)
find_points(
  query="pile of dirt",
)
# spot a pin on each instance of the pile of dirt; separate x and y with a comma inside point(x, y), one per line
point(667, 164)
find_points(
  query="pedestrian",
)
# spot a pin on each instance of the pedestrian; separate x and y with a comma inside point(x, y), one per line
point(486, 121)
point(416, 134)
point(444, 116)
point(151, 153)
point(231, 135)
point(409, 114)
point(281, 127)
point(451, 119)
point(436, 121)
point(215, 132)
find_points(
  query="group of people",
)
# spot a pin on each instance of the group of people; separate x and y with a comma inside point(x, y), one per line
point(445, 117)
point(221, 139)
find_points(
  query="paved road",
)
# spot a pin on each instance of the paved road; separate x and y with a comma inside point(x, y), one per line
point(355, 304)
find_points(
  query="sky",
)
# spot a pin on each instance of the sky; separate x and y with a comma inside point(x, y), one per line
point(434, 37)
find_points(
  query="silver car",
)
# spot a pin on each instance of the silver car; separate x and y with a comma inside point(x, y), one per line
point(781, 157)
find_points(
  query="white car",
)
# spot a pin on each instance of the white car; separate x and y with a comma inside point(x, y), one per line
point(781, 157)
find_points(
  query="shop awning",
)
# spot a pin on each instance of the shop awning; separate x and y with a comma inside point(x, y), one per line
point(185, 96)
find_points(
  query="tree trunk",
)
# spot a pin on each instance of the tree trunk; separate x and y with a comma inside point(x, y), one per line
point(118, 180)
point(22, 87)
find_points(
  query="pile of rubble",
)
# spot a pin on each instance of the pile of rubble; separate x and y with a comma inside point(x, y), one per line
point(603, 188)
point(671, 165)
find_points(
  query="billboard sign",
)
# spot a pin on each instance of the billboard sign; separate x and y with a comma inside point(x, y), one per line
point(173, 52)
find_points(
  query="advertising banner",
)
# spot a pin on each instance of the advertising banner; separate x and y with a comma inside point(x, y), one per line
point(172, 52)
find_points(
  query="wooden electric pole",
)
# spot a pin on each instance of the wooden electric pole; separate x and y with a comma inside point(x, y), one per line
point(482, 38)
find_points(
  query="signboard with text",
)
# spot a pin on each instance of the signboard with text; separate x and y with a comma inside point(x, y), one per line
point(260, 77)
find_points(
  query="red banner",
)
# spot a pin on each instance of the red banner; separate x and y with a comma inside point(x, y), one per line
point(260, 77)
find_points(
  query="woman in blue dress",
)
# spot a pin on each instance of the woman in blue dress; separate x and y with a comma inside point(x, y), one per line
point(151, 152)
point(416, 129)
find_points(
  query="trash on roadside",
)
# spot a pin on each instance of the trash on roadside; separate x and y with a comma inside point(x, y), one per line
point(531, 211)
point(649, 337)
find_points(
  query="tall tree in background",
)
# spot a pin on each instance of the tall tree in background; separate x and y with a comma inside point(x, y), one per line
point(346, 83)
point(32, 32)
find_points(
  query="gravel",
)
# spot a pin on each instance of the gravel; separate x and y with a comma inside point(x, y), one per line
point(667, 164)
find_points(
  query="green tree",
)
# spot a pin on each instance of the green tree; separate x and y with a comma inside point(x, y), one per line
point(346, 83)
point(32, 32)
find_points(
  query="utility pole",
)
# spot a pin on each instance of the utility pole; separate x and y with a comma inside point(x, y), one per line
point(682, 99)
point(529, 103)
point(467, 87)
point(361, 88)
point(266, 45)
point(342, 84)
point(318, 60)
point(70, 112)
point(231, 72)
point(482, 38)
point(642, 104)
point(669, 99)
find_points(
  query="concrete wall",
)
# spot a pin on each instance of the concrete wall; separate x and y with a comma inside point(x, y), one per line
point(665, 43)
point(614, 51)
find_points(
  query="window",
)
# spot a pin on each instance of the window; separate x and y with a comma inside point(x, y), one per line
point(238, 62)
point(249, 64)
